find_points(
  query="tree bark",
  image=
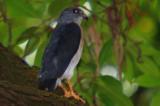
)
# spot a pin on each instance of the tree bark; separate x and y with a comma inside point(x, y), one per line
point(18, 85)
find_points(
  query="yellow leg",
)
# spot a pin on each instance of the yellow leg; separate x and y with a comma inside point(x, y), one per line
point(72, 93)
point(66, 93)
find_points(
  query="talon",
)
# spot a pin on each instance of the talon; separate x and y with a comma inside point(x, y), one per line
point(73, 94)
point(66, 93)
point(70, 92)
point(77, 97)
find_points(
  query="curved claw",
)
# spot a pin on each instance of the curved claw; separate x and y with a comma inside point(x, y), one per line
point(73, 94)
point(70, 92)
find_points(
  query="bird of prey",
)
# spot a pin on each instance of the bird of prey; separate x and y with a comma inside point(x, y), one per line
point(63, 52)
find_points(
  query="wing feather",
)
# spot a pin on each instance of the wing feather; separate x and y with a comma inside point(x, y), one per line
point(62, 47)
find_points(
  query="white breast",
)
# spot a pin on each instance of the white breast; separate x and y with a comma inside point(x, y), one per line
point(73, 63)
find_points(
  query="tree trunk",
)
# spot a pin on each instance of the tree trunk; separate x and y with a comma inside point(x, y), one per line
point(18, 85)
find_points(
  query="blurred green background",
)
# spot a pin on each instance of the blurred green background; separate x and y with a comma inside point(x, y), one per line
point(120, 64)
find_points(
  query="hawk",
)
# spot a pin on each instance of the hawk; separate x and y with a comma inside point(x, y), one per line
point(63, 52)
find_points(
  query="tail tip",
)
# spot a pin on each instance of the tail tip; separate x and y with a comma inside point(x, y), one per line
point(48, 84)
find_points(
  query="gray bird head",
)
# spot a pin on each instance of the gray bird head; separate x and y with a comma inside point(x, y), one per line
point(70, 15)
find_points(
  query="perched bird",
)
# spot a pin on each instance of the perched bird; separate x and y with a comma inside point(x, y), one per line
point(63, 52)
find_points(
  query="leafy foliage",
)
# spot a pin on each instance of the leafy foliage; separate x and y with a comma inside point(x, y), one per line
point(123, 34)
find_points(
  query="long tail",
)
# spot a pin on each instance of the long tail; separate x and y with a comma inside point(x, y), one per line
point(47, 84)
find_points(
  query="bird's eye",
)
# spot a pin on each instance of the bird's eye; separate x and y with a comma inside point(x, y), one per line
point(76, 11)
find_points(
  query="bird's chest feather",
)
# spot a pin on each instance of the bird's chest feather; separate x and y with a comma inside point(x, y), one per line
point(73, 63)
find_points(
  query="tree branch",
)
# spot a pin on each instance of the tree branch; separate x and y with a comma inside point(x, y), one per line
point(18, 85)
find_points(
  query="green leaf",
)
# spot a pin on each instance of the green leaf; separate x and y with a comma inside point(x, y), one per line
point(105, 101)
point(107, 2)
point(3, 34)
point(27, 34)
point(41, 48)
point(106, 52)
point(87, 67)
point(21, 8)
point(86, 56)
point(157, 60)
point(57, 6)
point(147, 66)
point(96, 7)
point(148, 49)
point(147, 33)
point(129, 69)
point(148, 81)
point(112, 89)
point(86, 93)
point(81, 2)
point(31, 46)
point(41, 6)
point(156, 99)
point(18, 51)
